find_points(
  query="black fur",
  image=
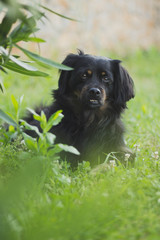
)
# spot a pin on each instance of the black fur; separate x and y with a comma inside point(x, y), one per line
point(92, 96)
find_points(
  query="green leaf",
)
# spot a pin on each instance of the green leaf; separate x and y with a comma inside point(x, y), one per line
point(62, 147)
point(67, 148)
point(35, 39)
point(30, 142)
point(50, 138)
point(21, 99)
point(15, 103)
point(14, 67)
point(54, 120)
point(11, 128)
point(43, 60)
point(42, 145)
point(17, 61)
point(6, 118)
point(35, 115)
point(55, 150)
point(2, 69)
point(58, 14)
point(6, 24)
point(22, 64)
point(33, 10)
point(23, 30)
point(30, 127)
point(43, 120)
point(33, 112)
point(1, 85)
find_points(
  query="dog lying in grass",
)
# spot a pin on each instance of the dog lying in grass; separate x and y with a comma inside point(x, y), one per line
point(92, 96)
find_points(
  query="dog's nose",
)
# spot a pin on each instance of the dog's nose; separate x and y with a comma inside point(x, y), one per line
point(94, 92)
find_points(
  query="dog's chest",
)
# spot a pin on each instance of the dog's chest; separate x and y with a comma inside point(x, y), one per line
point(88, 134)
point(93, 137)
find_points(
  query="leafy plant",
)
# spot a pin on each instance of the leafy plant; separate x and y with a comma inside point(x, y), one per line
point(14, 128)
point(19, 23)
point(45, 143)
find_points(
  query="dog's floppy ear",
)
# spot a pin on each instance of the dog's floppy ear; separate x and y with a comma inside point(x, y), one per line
point(123, 85)
point(66, 74)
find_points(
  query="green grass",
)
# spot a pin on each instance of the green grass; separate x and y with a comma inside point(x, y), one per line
point(42, 200)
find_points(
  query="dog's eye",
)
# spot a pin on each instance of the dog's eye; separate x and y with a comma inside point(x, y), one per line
point(84, 76)
point(105, 79)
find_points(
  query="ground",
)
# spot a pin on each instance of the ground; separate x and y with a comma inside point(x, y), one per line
point(41, 199)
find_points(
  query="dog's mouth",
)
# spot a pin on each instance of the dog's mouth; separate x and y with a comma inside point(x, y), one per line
point(93, 103)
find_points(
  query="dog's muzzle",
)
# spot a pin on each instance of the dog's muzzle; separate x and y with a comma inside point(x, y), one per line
point(95, 97)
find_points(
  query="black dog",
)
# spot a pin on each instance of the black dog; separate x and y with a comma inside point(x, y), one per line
point(92, 96)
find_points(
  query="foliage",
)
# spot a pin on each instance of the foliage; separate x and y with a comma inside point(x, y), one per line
point(43, 199)
point(44, 144)
point(19, 23)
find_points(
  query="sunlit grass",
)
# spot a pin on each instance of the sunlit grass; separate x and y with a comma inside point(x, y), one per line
point(42, 200)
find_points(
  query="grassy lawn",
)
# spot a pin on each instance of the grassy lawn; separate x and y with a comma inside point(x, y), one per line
point(42, 200)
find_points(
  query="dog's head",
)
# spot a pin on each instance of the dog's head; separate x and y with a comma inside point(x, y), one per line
point(95, 81)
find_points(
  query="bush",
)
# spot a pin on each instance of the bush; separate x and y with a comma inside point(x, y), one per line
point(20, 24)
